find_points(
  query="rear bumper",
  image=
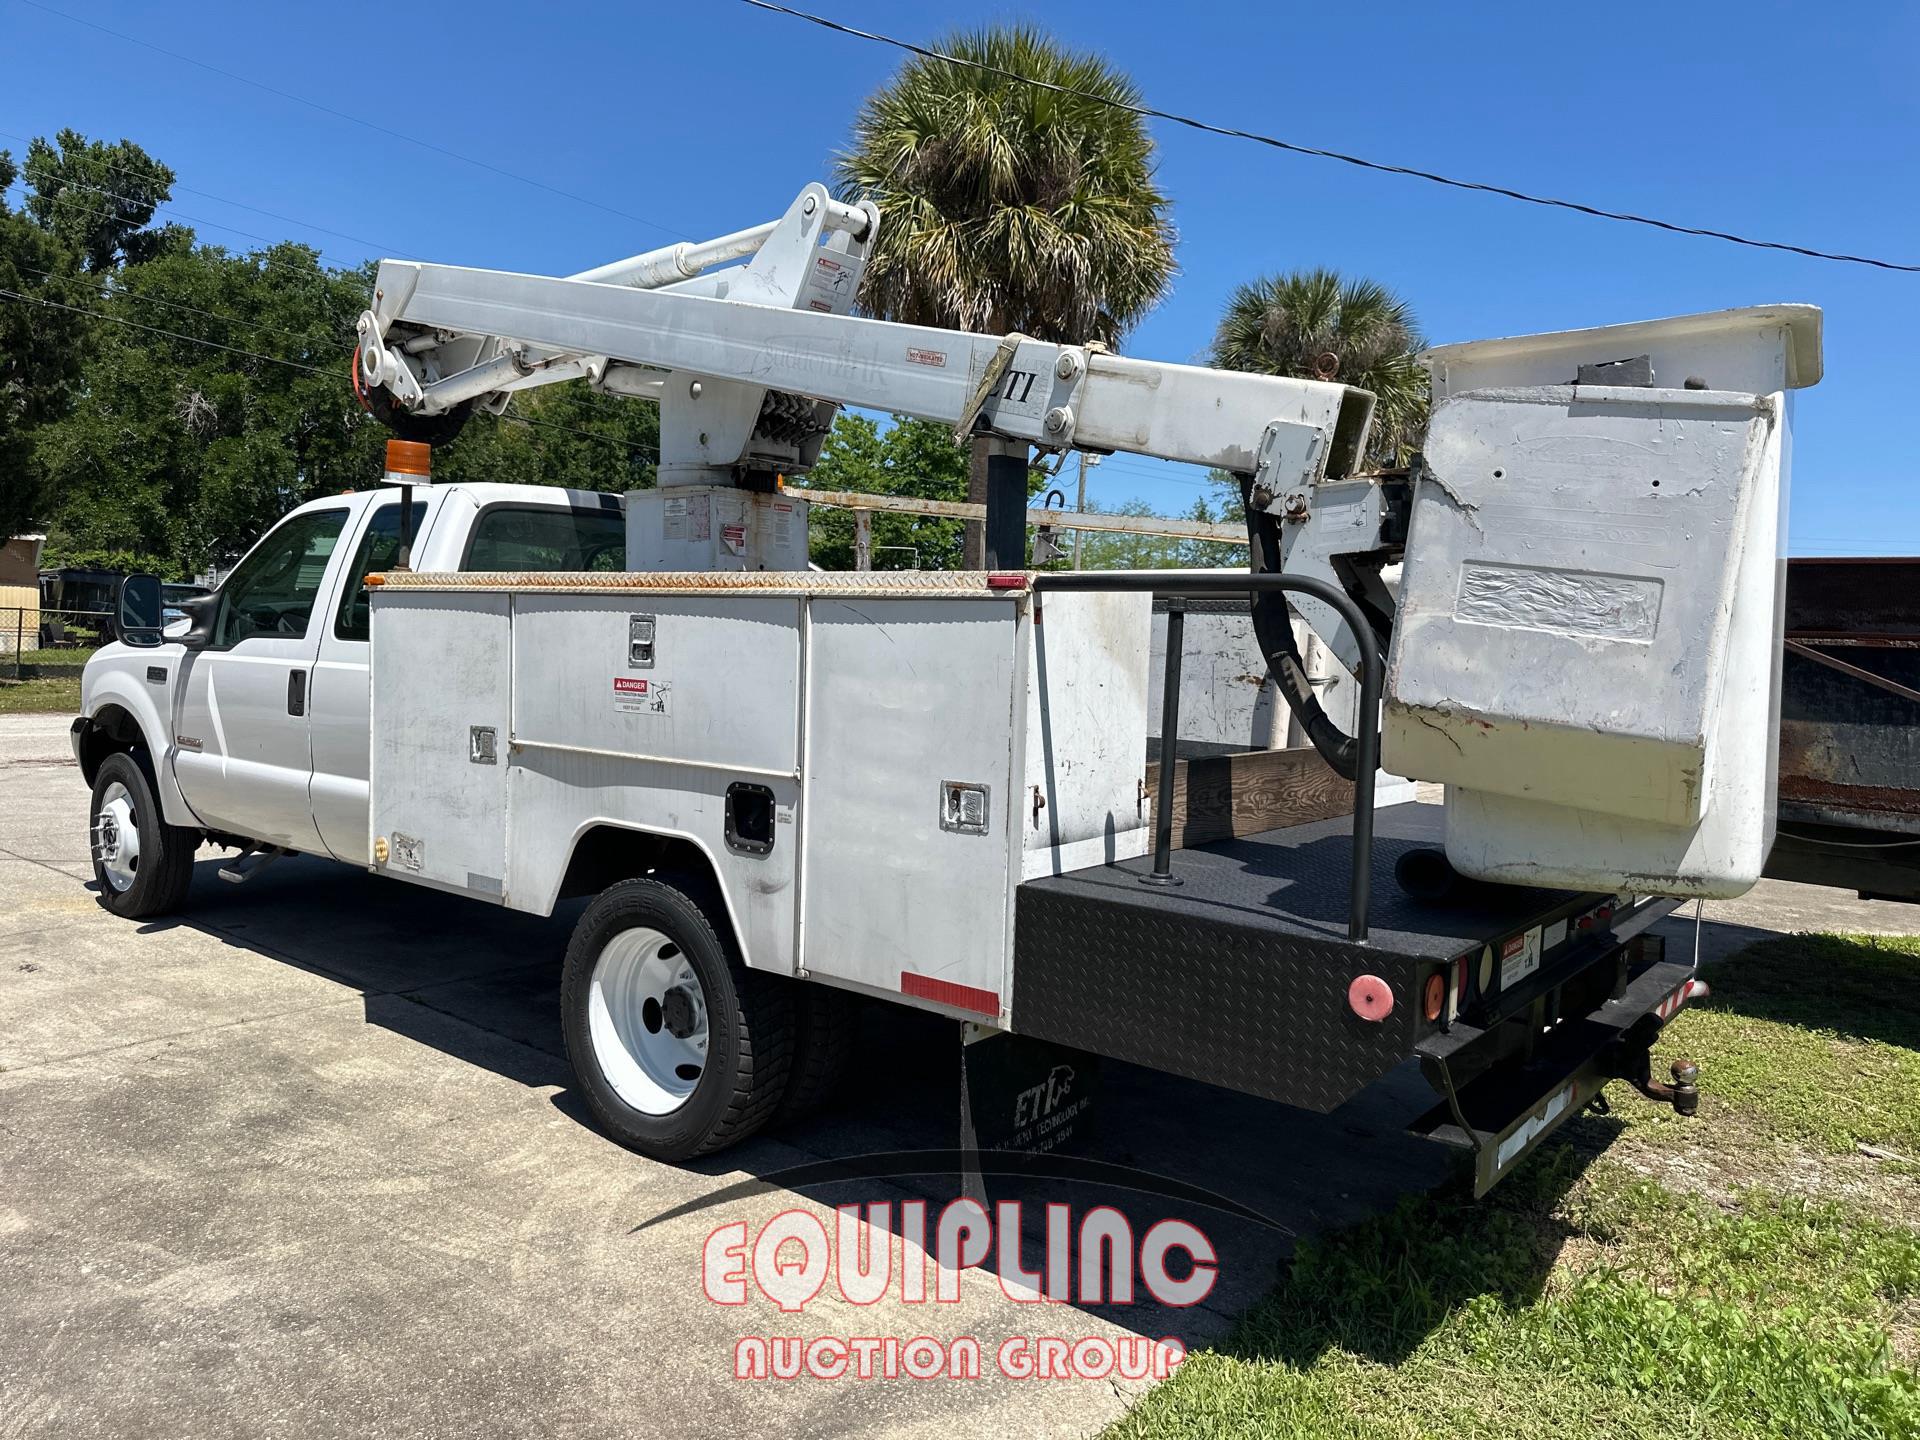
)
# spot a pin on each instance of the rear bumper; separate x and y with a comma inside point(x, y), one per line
point(1506, 1088)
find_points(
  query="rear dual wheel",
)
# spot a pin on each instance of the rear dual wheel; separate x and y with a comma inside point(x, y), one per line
point(679, 1048)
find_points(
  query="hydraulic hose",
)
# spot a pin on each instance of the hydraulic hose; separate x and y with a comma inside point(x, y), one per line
point(1273, 628)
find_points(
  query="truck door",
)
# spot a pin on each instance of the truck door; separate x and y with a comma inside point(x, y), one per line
point(340, 708)
point(241, 742)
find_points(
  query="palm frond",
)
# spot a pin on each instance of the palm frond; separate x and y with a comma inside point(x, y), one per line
point(1006, 205)
point(1315, 325)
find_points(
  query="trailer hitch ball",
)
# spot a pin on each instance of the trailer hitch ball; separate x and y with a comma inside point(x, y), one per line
point(1686, 1088)
point(1683, 1094)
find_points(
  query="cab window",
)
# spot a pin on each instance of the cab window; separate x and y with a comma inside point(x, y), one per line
point(379, 549)
point(273, 590)
point(547, 538)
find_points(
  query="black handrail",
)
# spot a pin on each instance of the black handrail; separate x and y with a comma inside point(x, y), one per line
point(1367, 736)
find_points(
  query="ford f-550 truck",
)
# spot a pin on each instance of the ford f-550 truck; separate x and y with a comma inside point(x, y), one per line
point(784, 788)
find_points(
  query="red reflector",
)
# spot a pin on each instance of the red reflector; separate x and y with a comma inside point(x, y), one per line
point(1371, 997)
point(946, 992)
point(1006, 580)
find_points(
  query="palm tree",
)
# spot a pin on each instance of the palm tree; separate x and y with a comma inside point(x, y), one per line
point(1313, 325)
point(1008, 206)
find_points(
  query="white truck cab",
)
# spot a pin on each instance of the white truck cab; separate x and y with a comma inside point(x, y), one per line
point(250, 720)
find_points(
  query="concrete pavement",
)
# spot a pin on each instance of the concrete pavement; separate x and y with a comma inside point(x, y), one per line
point(305, 1161)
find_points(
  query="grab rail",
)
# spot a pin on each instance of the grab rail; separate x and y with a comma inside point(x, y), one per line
point(1176, 592)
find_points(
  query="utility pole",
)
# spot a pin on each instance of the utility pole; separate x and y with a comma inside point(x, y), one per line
point(1081, 504)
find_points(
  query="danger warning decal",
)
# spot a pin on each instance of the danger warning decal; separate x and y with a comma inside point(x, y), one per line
point(641, 695)
point(1519, 957)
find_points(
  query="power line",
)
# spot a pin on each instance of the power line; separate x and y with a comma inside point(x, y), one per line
point(158, 206)
point(124, 292)
point(45, 303)
point(372, 247)
point(17, 297)
point(358, 120)
point(1149, 112)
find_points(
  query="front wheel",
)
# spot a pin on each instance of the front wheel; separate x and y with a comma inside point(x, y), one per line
point(679, 1048)
point(142, 864)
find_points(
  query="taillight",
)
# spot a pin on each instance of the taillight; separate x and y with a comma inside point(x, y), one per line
point(1436, 995)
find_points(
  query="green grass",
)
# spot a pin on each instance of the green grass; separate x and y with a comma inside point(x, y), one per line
point(46, 664)
point(1583, 1299)
point(21, 697)
point(1812, 1040)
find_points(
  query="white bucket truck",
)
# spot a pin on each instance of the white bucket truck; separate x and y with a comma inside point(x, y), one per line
point(786, 788)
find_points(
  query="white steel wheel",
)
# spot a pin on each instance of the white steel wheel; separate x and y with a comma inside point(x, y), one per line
point(142, 864)
point(678, 1047)
point(647, 1016)
point(116, 838)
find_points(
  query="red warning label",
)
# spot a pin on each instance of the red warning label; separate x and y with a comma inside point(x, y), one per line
point(640, 695)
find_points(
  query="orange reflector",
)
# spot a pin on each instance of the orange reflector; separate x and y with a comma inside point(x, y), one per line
point(1436, 996)
point(409, 457)
point(374, 582)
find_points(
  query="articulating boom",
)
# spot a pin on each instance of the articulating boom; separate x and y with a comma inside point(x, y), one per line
point(749, 362)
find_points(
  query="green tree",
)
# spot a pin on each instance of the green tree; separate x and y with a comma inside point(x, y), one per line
point(194, 395)
point(1118, 550)
point(98, 199)
point(41, 352)
point(1007, 206)
point(224, 402)
point(1315, 325)
point(567, 434)
point(906, 457)
point(910, 457)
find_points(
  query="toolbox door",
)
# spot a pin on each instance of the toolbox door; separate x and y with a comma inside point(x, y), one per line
point(909, 739)
point(442, 708)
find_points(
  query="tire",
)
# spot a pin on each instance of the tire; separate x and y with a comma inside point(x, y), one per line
point(142, 864)
point(679, 1049)
point(827, 1021)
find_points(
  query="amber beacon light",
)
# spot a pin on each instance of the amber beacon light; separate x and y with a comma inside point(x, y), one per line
point(409, 462)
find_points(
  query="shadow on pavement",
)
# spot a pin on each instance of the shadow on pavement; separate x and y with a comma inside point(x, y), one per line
point(481, 985)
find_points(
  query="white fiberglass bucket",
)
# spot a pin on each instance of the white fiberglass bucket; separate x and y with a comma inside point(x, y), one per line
point(1587, 646)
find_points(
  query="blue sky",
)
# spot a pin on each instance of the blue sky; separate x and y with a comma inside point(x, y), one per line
point(1784, 121)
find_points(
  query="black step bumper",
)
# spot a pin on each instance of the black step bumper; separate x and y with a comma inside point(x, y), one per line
point(1507, 1087)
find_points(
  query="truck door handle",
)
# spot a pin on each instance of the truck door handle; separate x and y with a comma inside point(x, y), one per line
point(297, 693)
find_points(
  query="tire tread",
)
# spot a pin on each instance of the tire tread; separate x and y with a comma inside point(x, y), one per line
point(763, 1016)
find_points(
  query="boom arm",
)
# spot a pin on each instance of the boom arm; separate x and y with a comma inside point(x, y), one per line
point(750, 363)
point(712, 348)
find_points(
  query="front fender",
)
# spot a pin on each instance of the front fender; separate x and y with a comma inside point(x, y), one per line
point(116, 677)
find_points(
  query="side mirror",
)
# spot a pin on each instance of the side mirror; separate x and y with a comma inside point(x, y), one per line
point(138, 610)
point(201, 612)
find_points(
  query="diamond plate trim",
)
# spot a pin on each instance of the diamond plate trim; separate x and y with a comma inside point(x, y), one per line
point(877, 584)
point(1238, 1005)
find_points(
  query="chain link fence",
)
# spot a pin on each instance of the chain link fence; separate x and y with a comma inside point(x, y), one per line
point(41, 643)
